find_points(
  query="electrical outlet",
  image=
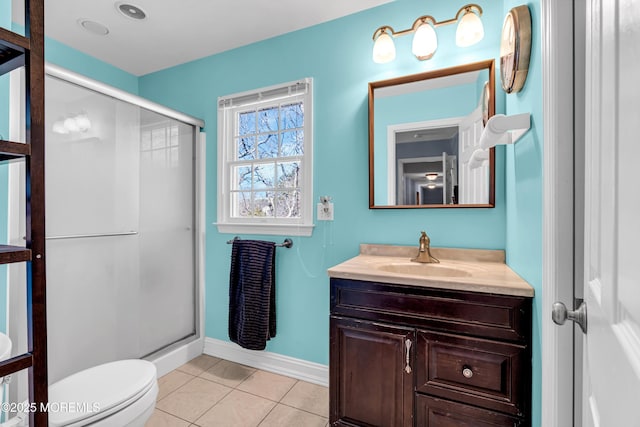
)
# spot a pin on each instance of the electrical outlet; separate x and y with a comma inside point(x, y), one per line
point(325, 211)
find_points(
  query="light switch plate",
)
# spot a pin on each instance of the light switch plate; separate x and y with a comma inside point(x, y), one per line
point(325, 211)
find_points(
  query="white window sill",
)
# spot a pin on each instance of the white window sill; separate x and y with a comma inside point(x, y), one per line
point(266, 229)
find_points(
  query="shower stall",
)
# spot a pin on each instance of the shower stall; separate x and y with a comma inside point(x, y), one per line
point(123, 221)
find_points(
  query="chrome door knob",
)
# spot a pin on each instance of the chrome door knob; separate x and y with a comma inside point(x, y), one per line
point(560, 314)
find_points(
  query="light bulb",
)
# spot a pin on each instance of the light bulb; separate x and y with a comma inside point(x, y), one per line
point(425, 42)
point(384, 50)
point(470, 30)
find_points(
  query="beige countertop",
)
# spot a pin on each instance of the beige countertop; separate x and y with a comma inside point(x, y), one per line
point(472, 270)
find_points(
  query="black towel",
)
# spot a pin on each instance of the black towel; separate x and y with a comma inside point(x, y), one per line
point(252, 293)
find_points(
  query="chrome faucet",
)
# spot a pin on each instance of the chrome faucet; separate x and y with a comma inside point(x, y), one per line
point(424, 251)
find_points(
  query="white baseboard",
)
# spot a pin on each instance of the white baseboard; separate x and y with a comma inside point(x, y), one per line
point(277, 363)
point(169, 361)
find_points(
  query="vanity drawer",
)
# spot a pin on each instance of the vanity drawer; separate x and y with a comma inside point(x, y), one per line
point(472, 313)
point(481, 372)
point(434, 412)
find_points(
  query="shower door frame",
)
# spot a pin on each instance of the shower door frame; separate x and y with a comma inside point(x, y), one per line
point(175, 354)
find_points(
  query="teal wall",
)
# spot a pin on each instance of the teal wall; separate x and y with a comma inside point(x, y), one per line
point(74, 60)
point(524, 192)
point(64, 56)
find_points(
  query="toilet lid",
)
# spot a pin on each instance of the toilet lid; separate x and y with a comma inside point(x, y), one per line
point(99, 390)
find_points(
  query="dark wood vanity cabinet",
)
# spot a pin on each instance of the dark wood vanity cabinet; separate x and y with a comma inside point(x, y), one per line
point(416, 356)
point(371, 362)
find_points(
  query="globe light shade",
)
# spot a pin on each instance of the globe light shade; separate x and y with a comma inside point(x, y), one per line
point(71, 125)
point(470, 30)
point(59, 128)
point(425, 42)
point(384, 50)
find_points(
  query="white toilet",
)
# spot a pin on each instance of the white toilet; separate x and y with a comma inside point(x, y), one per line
point(116, 394)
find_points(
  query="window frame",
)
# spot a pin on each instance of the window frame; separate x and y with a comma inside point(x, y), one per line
point(228, 106)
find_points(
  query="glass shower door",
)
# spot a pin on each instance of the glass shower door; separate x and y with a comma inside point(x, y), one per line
point(120, 220)
point(166, 232)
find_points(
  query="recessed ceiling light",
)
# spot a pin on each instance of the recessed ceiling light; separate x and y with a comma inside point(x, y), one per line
point(131, 11)
point(93, 27)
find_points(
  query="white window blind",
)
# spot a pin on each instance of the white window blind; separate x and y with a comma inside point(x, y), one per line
point(300, 87)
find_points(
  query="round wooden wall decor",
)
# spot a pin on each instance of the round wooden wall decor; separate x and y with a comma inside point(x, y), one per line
point(515, 48)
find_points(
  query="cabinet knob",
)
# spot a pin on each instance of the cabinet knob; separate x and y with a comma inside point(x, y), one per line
point(467, 372)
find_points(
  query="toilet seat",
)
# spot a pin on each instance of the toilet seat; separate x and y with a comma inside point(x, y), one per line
point(100, 391)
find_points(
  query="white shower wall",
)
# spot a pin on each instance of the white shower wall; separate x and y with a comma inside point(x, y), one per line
point(120, 212)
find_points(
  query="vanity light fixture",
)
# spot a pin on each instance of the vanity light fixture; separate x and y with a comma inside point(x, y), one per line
point(425, 41)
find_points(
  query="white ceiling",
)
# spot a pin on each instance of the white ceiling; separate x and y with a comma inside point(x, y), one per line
point(178, 31)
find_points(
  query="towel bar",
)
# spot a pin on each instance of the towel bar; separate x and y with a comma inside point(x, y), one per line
point(286, 244)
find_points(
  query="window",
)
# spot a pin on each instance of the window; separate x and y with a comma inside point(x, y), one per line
point(265, 160)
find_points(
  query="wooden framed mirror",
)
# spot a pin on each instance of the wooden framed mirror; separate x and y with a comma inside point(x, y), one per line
point(423, 129)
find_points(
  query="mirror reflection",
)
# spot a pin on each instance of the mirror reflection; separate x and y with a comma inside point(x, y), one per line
point(423, 129)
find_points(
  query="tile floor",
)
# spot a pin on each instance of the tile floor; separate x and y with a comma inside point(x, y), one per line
point(209, 392)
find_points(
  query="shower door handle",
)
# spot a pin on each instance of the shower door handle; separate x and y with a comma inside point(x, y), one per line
point(85, 236)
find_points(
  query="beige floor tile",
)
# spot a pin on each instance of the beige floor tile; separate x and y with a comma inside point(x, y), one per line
point(286, 416)
point(237, 409)
point(172, 381)
point(308, 397)
point(193, 399)
point(162, 419)
point(199, 364)
point(267, 385)
point(227, 373)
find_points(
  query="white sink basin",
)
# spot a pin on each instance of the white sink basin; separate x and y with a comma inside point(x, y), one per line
point(427, 270)
point(5, 347)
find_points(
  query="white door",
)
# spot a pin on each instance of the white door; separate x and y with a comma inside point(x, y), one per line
point(611, 370)
point(473, 188)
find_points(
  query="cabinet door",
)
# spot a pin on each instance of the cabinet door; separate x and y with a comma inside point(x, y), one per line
point(371, 373)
